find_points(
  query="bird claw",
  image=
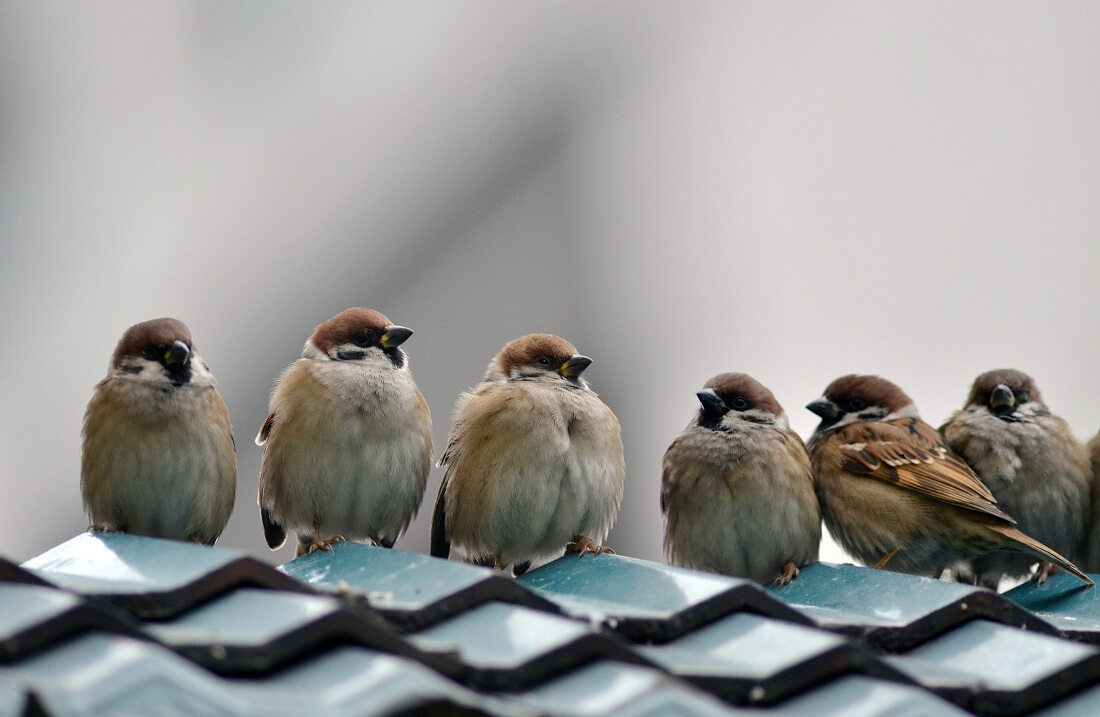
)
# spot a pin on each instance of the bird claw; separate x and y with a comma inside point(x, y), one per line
point(790, 572)
point(885, 559)
point(1045, 571)
point(103, 528)
point(583, 544)
point(325, 544)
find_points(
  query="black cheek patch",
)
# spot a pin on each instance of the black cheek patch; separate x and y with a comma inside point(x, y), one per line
point(350, 355)
point(710, 420)
point(179, 374)
point(396, 356)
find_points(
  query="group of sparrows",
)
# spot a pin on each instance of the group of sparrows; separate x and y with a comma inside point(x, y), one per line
point(534, 463)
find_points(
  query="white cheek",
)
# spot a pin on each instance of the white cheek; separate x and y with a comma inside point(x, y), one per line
point(150, 371)
point(909, 411)
point(200, 372)
point(310, 351)
point(1032, 409)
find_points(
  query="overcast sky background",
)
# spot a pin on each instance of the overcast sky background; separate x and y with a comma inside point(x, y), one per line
point(796, 191)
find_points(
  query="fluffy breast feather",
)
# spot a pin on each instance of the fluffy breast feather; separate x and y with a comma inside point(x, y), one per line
point(159, 462)
point(340, 432)
point(528, 462)
point(741, 504)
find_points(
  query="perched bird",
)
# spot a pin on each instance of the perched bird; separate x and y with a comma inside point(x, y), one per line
point(737, 490)
point(348, 441)
point(158, 457)
point(1035, 467)
point(534, 461)
point(893, 493)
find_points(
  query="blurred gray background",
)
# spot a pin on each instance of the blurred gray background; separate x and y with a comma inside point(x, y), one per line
point(792, 190)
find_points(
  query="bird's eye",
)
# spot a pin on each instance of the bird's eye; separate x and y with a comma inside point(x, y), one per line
point(856, 404)
point(543, 361)
point(362, 340)
point(150, 352)
point(739, 404)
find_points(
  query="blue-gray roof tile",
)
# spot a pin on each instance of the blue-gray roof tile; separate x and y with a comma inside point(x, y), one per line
point(357, 682)
point(1065, 602)
point(510, 647)
point(254, 631)
point(100, 674)
point(363, 630)
point(994, 669)
point(32, 618)
point(893, 611)
point(15, 700)
point(413, 591)
point(151, 578)
point(646, 601)
point(1085, 703)
point(612, 689)
point(859, 696)
point(748, 659)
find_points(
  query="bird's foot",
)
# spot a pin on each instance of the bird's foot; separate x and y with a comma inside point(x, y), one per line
point(790, 572)
point(326, 544)
point(194, 538)
point(1045, 571)
point(497, 563)
point(885, 559)
point(104, 528)
point(583, 544)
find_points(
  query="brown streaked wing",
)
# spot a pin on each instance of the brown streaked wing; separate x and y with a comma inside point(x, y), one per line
point(265, 430)
point(668, 477)
point(910, 453)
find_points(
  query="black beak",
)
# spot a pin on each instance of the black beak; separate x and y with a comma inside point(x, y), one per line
point(395, 336)
point(712, 404)
point(826, 409)
point(1002, 397)
point(575, 366)
point(177, 355)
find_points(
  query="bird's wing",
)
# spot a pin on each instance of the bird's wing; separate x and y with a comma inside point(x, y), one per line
point(457, 432)
point(670, 482)
point(440, 543)
point(274, 533)
point(265, 430)
point(909, 453)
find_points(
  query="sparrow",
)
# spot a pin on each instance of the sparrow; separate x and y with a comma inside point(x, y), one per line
point(1032, 463)
point(892, 491)
point(348, 440)
point(158, 457)
point(534, 461)
point(737, 488)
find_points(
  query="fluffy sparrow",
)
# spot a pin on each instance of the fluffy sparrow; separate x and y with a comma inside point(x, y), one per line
point(534, 461)
point(1035, 467)
point(348, 441)
point(737, 490)
point(158, 457)
point(893, 493)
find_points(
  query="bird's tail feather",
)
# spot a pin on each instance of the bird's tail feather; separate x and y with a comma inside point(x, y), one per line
point(274, 533)
point(1034, 547)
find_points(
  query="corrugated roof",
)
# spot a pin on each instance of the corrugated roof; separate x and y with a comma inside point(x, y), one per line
point(123, 625)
